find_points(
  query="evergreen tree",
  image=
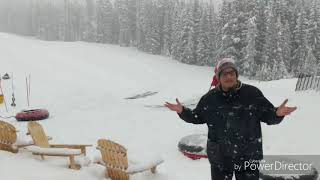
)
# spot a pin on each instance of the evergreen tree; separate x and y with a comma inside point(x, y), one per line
point(122, 7)
point(177, 29)
point(195, 30)
point(300, 35)
point(132, 13)
point(310, 66)
point(242, 10)
point(169, 15)
point(285, 44)
point(261, 20)
point(213, 33)
point(263, 72)
point(89, 33)
point(279, 68)
point(227, 38)
point(115, 26)
point(314, 29)
point(204, 46)
point(271, 46)
point(250, 66)
point(153, 37)
point(104, 21)
point(141, 24)
point(185, 47)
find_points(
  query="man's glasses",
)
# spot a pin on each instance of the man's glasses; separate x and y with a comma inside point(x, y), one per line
point(226, 73)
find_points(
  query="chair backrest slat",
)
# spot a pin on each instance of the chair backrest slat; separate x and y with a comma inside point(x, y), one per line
point(113, 154)
point(38, 135)
point(115, 158)
point(8, 136)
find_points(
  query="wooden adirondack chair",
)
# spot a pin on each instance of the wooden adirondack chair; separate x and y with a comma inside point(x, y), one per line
point(114, 157)
point(8, 137)
point(9, 141)
point(45, 149)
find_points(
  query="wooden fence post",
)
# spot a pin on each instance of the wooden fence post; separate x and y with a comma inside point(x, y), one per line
point(298, 83)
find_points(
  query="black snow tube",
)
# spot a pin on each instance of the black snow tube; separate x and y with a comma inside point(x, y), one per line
point(32, 115)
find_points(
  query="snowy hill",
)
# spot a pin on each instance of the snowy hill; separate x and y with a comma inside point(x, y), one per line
point(84, 86)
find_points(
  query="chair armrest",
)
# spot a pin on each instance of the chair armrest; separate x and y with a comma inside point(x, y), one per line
point(72, 146)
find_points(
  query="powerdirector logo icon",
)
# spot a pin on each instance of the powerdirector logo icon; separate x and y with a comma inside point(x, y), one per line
point(282, 165)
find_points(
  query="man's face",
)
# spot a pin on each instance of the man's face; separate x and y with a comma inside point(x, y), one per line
point(228, 78)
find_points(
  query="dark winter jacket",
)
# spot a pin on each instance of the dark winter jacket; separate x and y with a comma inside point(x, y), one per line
point(233, 119)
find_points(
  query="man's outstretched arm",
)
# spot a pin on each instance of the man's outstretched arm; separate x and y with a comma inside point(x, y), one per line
point(270, 114)
point(186, 114)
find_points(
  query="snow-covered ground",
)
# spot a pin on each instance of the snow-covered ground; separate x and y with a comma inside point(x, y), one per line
point(84, 86)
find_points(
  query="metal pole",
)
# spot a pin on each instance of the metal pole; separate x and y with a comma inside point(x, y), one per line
point(27, 91)
point(4, 99)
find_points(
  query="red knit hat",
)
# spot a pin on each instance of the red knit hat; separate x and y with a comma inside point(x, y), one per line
point(215, 81)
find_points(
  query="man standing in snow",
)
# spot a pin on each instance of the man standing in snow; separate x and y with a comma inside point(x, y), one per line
point(233, 112)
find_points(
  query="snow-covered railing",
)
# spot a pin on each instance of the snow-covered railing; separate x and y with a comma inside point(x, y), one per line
point(308, 82)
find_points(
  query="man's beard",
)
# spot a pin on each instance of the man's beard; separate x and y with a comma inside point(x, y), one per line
point(230, 88)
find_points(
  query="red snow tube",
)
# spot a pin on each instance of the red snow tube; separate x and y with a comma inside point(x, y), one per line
point(32, 115)
point(194, 146)
point(194, 156)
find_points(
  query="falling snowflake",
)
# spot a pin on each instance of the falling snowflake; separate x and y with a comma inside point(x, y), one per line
point(236, 40)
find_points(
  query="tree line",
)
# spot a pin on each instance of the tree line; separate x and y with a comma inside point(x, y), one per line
point(269, 39)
